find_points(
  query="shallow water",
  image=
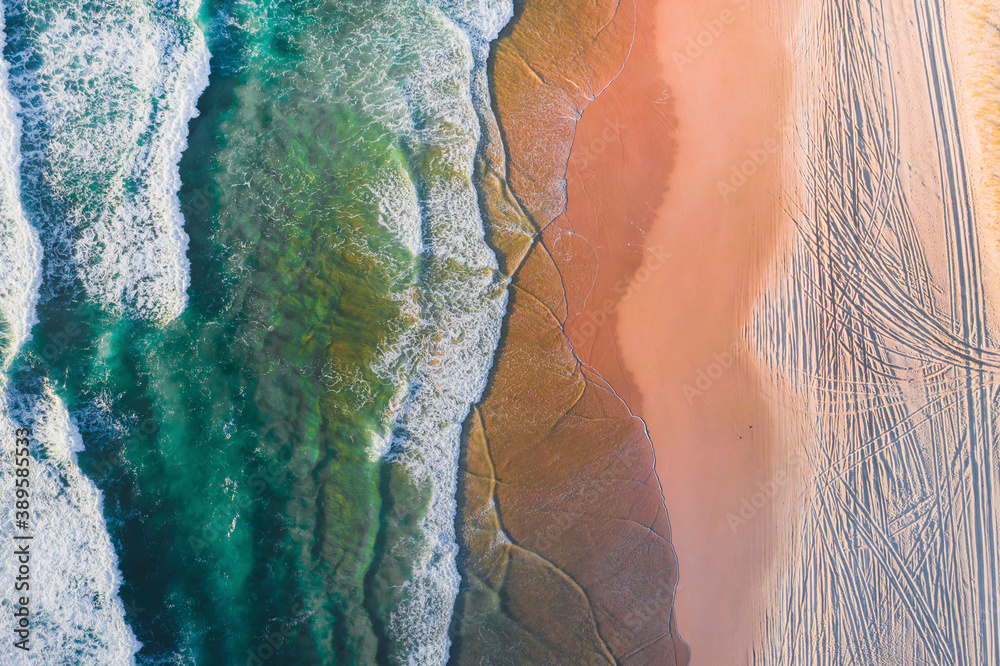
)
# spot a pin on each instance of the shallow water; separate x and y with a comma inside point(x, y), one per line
point(268, 398)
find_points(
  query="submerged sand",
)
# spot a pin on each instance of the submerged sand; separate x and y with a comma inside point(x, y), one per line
point(566, 553)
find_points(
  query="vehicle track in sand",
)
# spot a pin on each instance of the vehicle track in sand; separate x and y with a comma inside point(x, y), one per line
point(876, 333)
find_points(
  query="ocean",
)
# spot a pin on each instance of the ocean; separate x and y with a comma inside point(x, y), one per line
point(247, 302)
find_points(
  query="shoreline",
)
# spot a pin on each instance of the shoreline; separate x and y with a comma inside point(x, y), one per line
point(560, 511)
point(617, 177)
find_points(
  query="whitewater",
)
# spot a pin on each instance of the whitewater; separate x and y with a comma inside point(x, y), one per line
point(106, 91)
point(96, 100)
point(94, 105)
point(461, 310)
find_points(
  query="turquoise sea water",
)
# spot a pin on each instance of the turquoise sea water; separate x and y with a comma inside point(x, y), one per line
point(259, 346)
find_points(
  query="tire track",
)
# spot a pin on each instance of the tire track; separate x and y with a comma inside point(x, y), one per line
point(875, 333)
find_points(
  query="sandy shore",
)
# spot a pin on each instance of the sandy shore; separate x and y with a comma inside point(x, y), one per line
point(565, 540)
point(682, 332)
point(616, 181)
point(815, 284)
point(670, 342)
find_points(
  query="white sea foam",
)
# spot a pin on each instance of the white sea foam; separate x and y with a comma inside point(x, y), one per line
point(461, 305)
point(20, 250)
point(99, 166)
point(399, 208)
point(76, 614)
point(107, 91)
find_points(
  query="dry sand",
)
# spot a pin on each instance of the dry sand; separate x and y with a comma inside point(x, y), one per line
point(795, 335)
point(975, 49)
point(853, 262)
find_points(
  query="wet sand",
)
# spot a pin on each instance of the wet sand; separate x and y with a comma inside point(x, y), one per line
point(663, 248)
point(566, 554)
point(616, 181)
point(681, 329)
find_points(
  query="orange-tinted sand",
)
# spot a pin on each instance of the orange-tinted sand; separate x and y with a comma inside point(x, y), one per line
point(671, 344)
point(566, 554)
point(653, 273)
point(622, 155)
point(681, 331)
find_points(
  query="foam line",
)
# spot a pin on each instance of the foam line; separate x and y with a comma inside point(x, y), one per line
point(106, 92)
point(76, 614)
point(20, 250)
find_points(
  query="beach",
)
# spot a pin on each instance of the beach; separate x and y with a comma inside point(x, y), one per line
point(560, 513)
point(715, 446)
point(690, 238)
point(653, 332)
point(829, 207)
point(737, 277)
